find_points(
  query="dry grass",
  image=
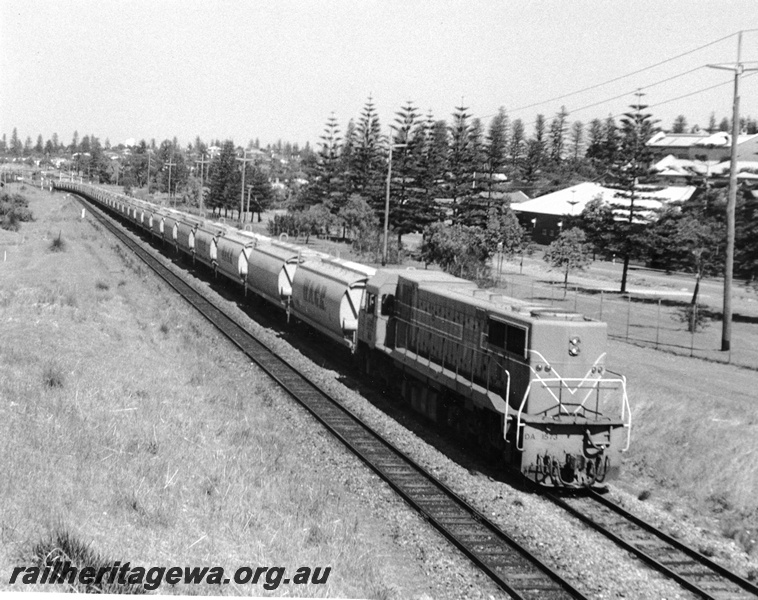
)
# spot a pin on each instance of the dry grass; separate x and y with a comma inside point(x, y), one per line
point(120, 431)
point(695, 437)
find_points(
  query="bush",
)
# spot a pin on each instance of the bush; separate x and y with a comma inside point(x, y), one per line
point(695, 316)
point(459, 250)
point(370, 243)
point(14, 210)
point(58, 244)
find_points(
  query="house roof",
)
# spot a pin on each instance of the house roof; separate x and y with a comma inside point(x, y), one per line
point(572, 200)
point(663, 139)
point(680, 167)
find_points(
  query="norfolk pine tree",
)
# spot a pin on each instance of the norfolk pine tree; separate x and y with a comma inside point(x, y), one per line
point(630, 163)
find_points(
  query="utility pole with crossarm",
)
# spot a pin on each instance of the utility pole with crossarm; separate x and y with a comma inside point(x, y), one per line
point(244, 161)
point(738, 68)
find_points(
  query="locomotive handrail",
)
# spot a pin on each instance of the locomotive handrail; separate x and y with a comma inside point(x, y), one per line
point(471, 382)
point(627, 408)
point(626, 413)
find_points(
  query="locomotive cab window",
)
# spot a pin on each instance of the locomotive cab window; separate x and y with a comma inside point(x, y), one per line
point(388, 305)
point(506, 336)
point(370, 303)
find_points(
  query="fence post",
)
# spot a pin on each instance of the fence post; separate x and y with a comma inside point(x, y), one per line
point(658, 324)
point(576, 295)
point(601, 305)
point(628, 314)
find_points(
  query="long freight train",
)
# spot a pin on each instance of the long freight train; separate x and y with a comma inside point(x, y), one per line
point(528, 381)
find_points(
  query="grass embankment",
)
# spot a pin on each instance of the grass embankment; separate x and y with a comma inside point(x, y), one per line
point(123, 430)
point(694, 446)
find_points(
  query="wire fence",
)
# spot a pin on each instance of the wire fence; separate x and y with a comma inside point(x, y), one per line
point(645, 319)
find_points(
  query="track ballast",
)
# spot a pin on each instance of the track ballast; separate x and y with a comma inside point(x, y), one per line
point(685, 565)
point(511, 566)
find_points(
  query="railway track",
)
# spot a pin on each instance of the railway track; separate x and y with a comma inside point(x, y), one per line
point(511, 566)
point(688, 567)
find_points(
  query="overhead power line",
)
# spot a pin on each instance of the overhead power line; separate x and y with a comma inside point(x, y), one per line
point(575, 110)
point(701, 90)
point(620, 77)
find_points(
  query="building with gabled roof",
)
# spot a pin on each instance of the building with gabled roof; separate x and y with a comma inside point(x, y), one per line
point(703, 146)
point(543, 216)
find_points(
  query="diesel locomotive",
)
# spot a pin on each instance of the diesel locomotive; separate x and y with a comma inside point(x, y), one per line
point(528, 382)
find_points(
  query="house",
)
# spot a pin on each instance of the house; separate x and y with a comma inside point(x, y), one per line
point(681, 171)
point(702, 146)
point(544, 216)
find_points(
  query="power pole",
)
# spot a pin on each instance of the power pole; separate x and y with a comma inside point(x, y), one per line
point(169, 165)
point(148, 171)
point(202, 162)
point(726, 326)
point(244, 162)
point(250, 187)
point(387, 199)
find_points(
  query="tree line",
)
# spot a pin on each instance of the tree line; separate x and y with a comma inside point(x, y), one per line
point(455, 172)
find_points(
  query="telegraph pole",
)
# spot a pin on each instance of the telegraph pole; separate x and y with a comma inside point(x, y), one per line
point(250, 187)
point(726, 326)
point(148, 171)
point(202, 162)
point(387, 200)
point(169, 165)
point(244, 162)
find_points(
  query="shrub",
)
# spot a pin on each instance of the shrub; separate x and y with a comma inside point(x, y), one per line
point(14, 210)
point(52, 376)
point(695, 316)
point(58, 244)
point(61, 546)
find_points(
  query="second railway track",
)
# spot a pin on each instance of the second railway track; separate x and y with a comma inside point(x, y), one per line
point(511, 566)
point(685, 565)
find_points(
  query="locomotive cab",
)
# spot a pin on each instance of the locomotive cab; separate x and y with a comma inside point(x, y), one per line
point(377, 309)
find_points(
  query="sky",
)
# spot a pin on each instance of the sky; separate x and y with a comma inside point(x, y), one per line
point(277, 70)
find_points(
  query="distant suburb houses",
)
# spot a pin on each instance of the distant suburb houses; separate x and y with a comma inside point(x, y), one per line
point(681, 162)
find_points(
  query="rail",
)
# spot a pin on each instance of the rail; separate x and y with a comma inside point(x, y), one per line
point(512, 567)
point(685, 565)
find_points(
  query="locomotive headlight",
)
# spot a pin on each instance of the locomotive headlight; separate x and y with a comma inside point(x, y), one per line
point(574, 349)
point(538, 367)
